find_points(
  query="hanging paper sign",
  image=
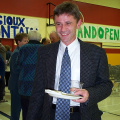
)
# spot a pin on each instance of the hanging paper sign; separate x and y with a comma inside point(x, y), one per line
point(11, 25)
point(99, 33)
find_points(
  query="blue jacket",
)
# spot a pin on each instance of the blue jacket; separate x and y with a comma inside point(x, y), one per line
point(14, 70)
point(27, 62)
point(2, 68)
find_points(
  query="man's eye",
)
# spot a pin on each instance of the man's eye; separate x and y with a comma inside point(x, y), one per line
point(58, 24)
point(68, 23)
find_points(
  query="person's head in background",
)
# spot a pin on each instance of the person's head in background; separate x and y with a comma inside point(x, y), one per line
point(8, 48)
point(54, 37)
point(34, 35)
point(67, 20)
point(45, 41)
point(21, 39)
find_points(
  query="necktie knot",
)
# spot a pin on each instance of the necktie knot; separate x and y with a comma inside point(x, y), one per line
point(66, 56)
point(66, 51)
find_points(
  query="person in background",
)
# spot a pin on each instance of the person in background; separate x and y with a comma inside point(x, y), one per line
point(27, 63)
point(8, 52)
point(8, 55)
point(2, 51)
point(54, 37)
point(45, 41)
point(2, 73)
point(20, 39)
point(87, 63)
point(3, 54)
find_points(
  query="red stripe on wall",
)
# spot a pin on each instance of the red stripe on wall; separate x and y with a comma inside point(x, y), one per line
point(10, 42)
point(35, 8)
point(100, 14)
point(38, 8)
point(109, 50)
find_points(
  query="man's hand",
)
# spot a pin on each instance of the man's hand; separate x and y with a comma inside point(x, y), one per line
point(82, 92)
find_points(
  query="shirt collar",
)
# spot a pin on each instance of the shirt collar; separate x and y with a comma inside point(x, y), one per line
point(71, 47)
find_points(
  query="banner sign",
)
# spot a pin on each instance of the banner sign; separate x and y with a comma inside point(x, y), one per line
point(11, 25)
point(99, 33)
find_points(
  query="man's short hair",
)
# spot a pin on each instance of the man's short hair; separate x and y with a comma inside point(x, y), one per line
point(20, 36)
point(67, 8)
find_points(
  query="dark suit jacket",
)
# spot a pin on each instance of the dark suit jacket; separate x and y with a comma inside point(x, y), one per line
point(94, 74)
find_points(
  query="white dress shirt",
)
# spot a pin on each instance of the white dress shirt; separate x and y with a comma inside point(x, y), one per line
point(74, 53)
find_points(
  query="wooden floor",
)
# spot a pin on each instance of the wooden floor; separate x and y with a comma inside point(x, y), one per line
point(110, 107)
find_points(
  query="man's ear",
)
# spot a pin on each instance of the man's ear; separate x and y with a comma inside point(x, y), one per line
point(18, 43)
point(78, 24)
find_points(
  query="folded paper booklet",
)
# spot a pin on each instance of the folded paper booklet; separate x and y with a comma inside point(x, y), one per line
point(59, 94)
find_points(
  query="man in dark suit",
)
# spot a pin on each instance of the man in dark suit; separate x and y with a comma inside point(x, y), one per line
point(88, 65)
point(20, 39)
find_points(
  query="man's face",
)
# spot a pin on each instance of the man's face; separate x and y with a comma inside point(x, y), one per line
point(24, 41)
point(66, 26)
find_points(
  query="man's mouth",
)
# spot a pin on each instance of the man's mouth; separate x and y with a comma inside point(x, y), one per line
point(64, 34)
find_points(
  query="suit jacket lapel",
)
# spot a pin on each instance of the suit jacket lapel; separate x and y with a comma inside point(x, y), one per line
point(85, 63)
point(51, 65)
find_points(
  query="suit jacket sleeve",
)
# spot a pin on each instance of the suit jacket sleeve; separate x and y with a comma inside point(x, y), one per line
point(103, 86)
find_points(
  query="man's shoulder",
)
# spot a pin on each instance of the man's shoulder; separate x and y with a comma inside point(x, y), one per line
point(15, 51)
point(48, 49)
point(89, 45)
point(91, 49)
